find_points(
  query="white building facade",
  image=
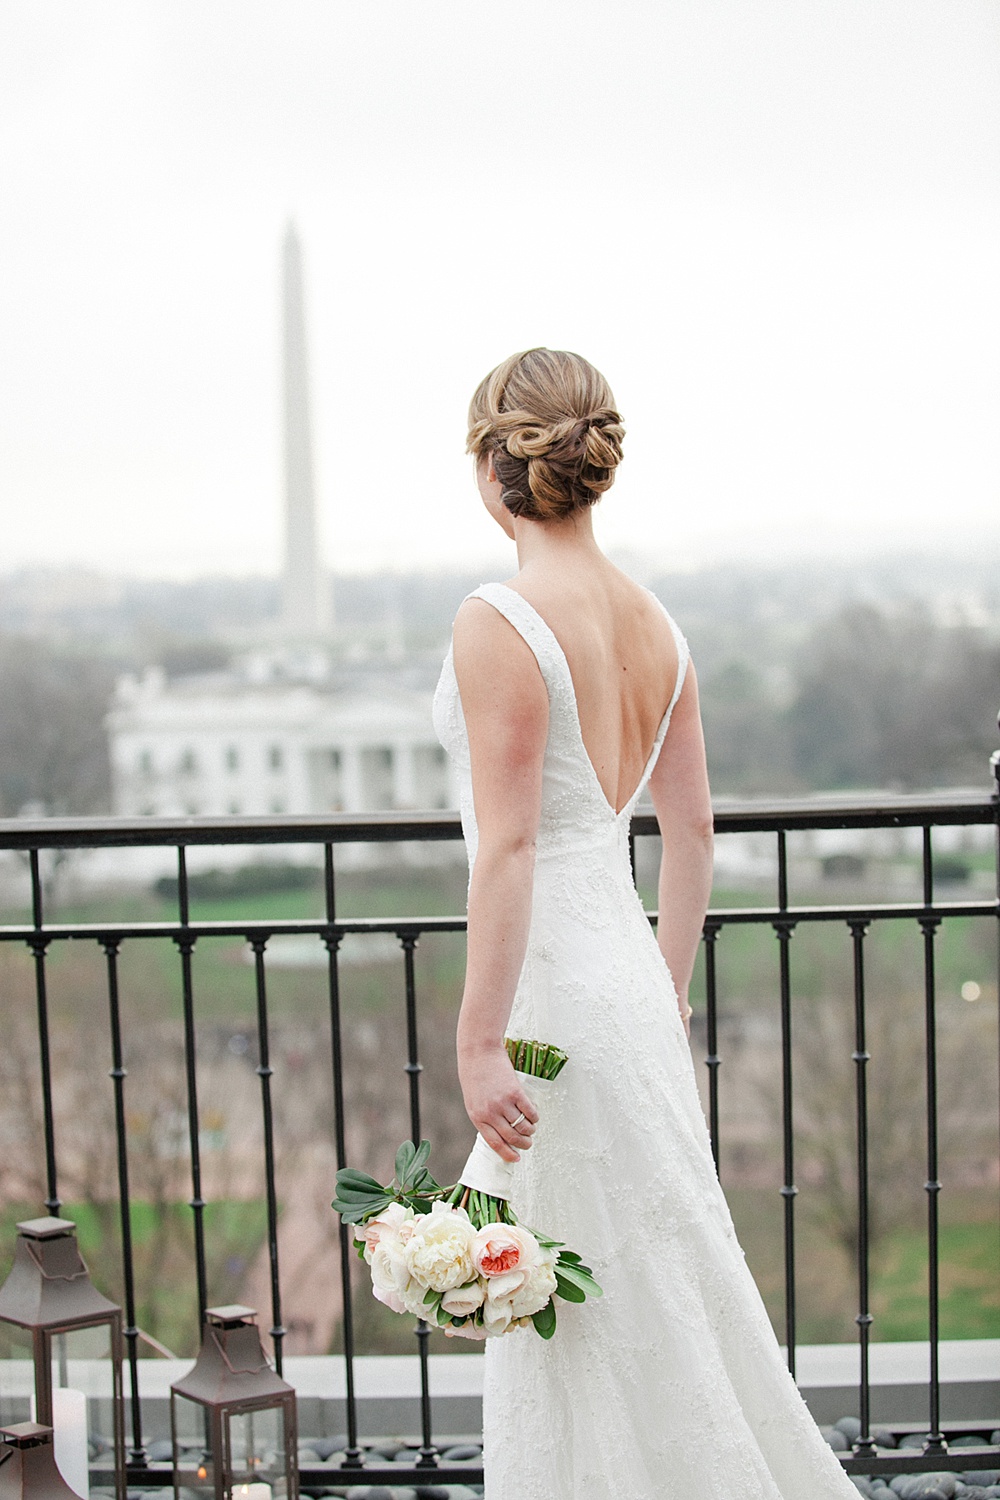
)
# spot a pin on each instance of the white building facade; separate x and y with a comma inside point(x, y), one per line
point(217, 746)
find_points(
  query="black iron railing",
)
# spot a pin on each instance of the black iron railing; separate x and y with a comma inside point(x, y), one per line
point(777, 819)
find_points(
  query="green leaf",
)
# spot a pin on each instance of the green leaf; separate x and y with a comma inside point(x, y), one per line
point(350, 1215)
point(355, 1199)
point(351, 1177)
point(569, 1290)
point(404, 1160)
point(545, 1320)
point(577, 1277)
point(423, 1182)
point(365, 1206)
point(544, 1240)
point(420, 1203)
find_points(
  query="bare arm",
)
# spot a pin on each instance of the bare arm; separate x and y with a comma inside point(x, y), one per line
point(506, 709)
point(679, 789)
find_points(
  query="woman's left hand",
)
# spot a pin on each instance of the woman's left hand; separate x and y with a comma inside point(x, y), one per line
point(495, 1101)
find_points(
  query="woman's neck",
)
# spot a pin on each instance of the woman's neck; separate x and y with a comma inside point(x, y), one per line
point(560, 542)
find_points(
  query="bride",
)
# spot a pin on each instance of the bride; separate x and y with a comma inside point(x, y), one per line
point(566, 693)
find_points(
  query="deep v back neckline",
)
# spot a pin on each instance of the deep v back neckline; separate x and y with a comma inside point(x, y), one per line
point(563, 662)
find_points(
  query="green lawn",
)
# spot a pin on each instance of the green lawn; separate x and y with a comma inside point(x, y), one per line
point(747, 956)
point(826, 1277)
point(969, 1284)
point(223, 979)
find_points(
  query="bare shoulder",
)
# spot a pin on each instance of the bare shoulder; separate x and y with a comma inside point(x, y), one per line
point(646, 605)
point(641, 626)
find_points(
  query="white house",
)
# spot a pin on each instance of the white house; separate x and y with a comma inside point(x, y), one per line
point(223, 744)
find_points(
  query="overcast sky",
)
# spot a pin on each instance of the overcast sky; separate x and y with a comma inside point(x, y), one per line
point(773, 224)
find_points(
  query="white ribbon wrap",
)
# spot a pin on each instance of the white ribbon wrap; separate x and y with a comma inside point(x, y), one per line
point(485, 1170)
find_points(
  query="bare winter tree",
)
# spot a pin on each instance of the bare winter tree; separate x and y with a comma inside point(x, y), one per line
point(53, 748)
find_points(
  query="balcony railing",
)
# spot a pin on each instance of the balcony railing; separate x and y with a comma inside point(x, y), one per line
point(776, 821)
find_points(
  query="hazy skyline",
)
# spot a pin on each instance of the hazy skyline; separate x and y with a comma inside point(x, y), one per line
point(772, 223)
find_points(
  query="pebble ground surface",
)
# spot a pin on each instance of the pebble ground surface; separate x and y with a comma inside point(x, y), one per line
point(319, 1453)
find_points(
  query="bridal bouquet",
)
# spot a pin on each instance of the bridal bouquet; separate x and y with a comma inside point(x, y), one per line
point(456, 1256)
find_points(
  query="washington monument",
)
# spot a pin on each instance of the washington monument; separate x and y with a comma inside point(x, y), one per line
point(306, 602)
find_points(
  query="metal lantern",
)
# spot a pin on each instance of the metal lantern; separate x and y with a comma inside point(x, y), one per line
point(28, 1466)
point(232, 1419)
point(62, 1363)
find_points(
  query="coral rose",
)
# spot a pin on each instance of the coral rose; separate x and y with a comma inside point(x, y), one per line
point(503, 1249)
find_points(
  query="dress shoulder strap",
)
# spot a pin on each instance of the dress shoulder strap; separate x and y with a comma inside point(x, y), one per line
point(683, 650)
point(533, 630)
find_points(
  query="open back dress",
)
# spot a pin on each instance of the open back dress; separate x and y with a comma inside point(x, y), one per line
point(672, 1385)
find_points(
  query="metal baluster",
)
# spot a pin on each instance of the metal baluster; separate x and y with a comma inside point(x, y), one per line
point(185, 946)
point(352, 1453)
point(264, 1073)
point(864, 1444)
point(38, 945)
point(995, 768)
point(784, 930)
point(929, 925)
point(111, 946)
point(713, 1060)
point(414, 1068)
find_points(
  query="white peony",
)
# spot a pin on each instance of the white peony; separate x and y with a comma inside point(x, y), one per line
point(439, 1251)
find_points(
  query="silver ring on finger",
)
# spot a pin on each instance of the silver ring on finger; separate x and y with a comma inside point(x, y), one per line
point(515, 1122)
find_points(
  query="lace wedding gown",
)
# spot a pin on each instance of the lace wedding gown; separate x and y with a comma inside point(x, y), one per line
point(671, 1386)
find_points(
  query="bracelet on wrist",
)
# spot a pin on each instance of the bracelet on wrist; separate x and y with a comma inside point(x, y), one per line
point(685, 1014)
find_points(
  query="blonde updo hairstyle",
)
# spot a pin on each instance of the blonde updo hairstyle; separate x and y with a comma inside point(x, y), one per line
point(547, 418)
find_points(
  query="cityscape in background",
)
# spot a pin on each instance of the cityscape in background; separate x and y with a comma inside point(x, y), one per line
point(306, 693)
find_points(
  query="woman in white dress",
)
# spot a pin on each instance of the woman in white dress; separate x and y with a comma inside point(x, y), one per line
point(555, 702)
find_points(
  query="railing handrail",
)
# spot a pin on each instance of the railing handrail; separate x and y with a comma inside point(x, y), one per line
point(862, 809)
point(922, 812)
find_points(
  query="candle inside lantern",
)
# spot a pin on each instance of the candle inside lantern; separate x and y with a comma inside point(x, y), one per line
point(255, 1491)
point(69, 1423)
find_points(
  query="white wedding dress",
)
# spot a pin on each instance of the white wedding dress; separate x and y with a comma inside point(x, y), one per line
point(672, 1385)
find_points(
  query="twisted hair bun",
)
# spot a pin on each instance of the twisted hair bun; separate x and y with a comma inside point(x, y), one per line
point(548, 420)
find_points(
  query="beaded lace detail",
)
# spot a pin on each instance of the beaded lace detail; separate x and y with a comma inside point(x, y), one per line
point(672, 1384)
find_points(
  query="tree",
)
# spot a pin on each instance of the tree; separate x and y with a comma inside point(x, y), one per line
point(893, 700)
point(53, 748)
